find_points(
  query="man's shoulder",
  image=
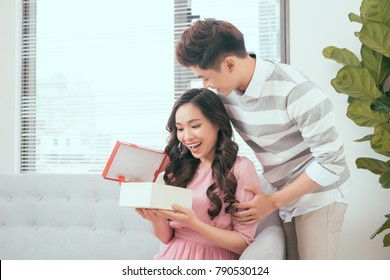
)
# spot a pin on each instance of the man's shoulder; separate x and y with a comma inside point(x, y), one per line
point(289, 71)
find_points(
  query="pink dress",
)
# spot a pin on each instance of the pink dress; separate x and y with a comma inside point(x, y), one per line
point(190, 245)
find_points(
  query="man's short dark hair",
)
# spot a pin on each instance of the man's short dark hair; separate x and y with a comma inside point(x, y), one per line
point(207, 42)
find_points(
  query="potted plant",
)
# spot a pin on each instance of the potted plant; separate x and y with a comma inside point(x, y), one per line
point(366, 82)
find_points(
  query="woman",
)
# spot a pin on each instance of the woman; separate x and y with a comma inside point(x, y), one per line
point(203, 157)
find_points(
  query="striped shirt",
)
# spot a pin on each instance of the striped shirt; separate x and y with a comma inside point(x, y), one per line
point(289, 124)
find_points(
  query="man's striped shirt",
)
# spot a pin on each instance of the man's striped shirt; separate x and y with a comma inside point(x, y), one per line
point(289, 124)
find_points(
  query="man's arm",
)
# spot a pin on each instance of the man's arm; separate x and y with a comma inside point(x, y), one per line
point(264, 204)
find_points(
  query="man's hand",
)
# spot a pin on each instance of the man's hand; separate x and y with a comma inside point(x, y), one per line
point(255, 210)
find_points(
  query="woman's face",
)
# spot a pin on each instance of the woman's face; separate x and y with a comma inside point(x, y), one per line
point(197, 133)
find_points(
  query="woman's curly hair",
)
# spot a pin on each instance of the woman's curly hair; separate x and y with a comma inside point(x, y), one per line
point(183, 165)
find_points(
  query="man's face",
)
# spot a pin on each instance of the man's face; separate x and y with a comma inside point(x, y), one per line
point(222, 81)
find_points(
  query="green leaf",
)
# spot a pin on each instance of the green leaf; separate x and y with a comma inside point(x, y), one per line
point(375, 36)
point(376, 166)
point(354, 18)
point(386, 240)
point(377, 64)
point(380, 141)
point(386, 225)
point(342, 56)
point(356, 82)
point(375, 11)
point(364, 139)
point(359, 111)
point(351, 99)
point(384, 179)
point(381, 104)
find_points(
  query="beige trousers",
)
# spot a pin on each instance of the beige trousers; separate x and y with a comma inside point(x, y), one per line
point(315, 235)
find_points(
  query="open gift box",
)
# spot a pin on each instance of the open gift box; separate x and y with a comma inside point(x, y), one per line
point(128, 163)
point(153, 195)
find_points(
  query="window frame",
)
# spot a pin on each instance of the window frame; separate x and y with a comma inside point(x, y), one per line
point(28, 76)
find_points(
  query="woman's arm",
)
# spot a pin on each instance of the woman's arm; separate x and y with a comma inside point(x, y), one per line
point(161, 228)
point(237, 239)
point(264, 204)
point(230, 240)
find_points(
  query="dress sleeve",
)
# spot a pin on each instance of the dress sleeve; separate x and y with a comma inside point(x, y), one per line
point(246, 175)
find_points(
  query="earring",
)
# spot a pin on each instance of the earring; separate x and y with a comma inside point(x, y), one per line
point(179, 147)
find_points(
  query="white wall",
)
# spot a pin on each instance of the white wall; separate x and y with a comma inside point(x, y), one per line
point(314, 25)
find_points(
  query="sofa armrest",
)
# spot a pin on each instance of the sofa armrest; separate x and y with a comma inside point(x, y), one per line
point(270, 240)
point(269, 243)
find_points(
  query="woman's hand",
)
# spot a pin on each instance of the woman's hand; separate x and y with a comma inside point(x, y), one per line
point(228, 239)
point(161, 228)
point(152, 215)
point(180, 214)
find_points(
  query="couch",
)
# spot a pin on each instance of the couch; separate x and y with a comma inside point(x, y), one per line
point(77, 217)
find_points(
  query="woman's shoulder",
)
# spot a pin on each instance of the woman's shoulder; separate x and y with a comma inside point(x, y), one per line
point(243, 162)
point(245, 172)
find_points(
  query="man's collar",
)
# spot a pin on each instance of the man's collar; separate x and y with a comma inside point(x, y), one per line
point(263, 70)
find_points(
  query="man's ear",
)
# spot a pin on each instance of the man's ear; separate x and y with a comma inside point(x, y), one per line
point(230, 62)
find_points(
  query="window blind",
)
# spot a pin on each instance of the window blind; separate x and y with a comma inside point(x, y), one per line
point(94, 72)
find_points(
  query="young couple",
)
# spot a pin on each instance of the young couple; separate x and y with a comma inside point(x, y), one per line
point(288, 123)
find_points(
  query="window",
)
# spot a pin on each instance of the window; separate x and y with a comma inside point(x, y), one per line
point(94, 72)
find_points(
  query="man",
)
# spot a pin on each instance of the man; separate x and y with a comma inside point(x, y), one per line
point(289, 124)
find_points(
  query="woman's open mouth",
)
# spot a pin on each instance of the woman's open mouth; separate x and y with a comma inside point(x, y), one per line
point(194, 146)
